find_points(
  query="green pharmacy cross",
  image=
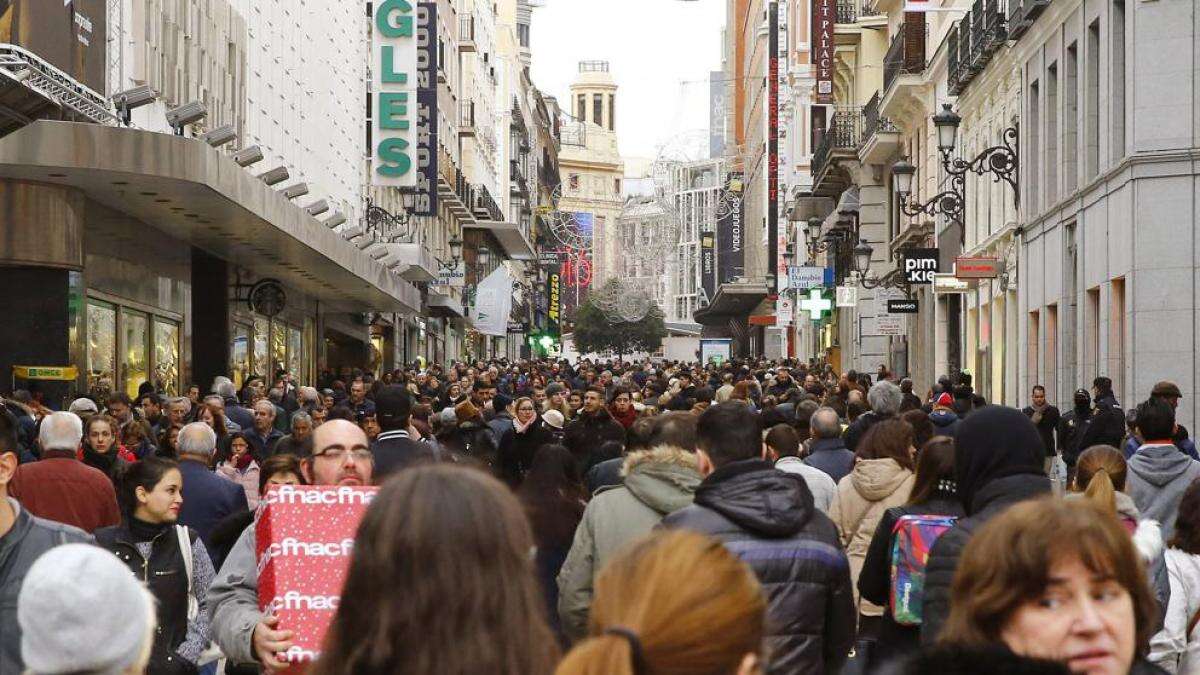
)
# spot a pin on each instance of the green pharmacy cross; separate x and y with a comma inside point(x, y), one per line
point(815, 304)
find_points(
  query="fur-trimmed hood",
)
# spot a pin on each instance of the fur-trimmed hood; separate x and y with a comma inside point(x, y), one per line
point(663, 478)
point(660, 454)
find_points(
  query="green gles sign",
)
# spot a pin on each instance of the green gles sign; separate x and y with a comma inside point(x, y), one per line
point(393, 94)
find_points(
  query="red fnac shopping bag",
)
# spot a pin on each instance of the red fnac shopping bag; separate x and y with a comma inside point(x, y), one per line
point(304, 536)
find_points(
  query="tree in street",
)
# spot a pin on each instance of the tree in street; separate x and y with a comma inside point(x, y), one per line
point(596, 332)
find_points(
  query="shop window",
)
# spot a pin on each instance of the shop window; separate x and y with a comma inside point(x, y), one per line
point(134, 361)
point(166, 357)
point(296, 354)
point(261, 362)
point(101, 347)
point(278, 350)
point(239, 354)
point(1116, 340)
point(1033, 349)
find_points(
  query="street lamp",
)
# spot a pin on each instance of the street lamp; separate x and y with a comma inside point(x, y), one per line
point(483, 256)
point(946, 122)
point(862, 257)
point(455, 248)
point(814, 228)
point(902, 178)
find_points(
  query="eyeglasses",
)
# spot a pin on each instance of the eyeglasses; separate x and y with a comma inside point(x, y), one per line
point(339, 454)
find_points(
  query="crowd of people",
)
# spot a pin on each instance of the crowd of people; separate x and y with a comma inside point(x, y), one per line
point(742, 518)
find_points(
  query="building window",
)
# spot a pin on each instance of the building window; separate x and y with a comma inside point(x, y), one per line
point(612, 112)
point(1118, 83)
point(134, 359)
point(101, 346)
point(1035, 104)
point(616, 186)
point(523, 34)
point(1034, 349)
point(1116, 338)
point(1051, 380)
point(239, 354)
point(1070, 145)
point(1091, 356)
point(1092, 102)
point(1052, 134)
point(598, 109)
point(166, 357)
point(581, 108)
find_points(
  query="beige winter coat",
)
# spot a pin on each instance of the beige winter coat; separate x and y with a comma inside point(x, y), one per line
point(874, 486)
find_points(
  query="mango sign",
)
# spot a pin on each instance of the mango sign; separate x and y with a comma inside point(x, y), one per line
point(394, 94)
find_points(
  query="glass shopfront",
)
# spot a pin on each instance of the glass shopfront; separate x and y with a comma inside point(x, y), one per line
point(127, 346)
point(277, 345)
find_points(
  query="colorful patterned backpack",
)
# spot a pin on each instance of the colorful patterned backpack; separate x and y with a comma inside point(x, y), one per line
point(912, 537)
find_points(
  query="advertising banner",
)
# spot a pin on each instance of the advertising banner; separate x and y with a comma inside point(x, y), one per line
point(716, 113)
point(454, 277)
point(393, 95)
point(304, 536)
point(708, 266)
point(427, 110)
point(903, 306)
point(919, 264)
point(715, 350)
point(71, 35)
point(554, 304)
point(493, 303)
point(731, 252)
point(585, 222)
point(824, 16)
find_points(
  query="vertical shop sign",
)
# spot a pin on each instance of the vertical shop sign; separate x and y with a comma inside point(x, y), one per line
point(393, 94)
point(773, 143)
point(427, 110)
point(824, 16)
point(731, 252)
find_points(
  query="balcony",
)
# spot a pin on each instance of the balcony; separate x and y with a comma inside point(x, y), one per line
point(881, 136)
point(518, 183)
point(972, 42)
point(466, 118)
point(847, 11)
point(1022, 14)
point(906, 55)
point(466, 34)
point(839, 142)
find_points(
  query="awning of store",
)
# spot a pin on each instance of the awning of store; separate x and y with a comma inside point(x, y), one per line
point(731, 300)
point(516, 245)
point(444, 306)
point(199, 195)
point(849, 202)
point(683, 329)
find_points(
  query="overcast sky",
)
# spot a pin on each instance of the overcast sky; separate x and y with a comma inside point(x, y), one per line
point(660, 51)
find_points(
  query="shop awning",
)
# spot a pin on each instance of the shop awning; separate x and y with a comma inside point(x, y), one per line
point(731, 300)
point(199, 195)
point(683, 329)
point(443, 306)
point(510, 236)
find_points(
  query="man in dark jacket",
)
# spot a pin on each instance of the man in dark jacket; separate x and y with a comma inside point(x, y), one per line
point(998, 459)
point(827, 452)
point(590, 429)
point(1107, 426)
point(685, 398)
point(1045, 417)
point(394, 449)
point(1070, 428)
point(885, 399)
point(943, 418)
point(23, 539)
point(767, 518)
point(234, 410)
point(207, 498)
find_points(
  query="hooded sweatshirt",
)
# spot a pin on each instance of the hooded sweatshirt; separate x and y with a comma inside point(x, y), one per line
point(1157, 478)
point(945, 422)
point(874, 486)
point(1172, 648)
point(657, 482)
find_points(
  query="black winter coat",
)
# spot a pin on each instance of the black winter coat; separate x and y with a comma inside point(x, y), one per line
point(875, 579)
point(991, 660)
point(767, 518)
point(165, 574)
point(587, 432)
point(859, 427)
point(474, 440)
point(517, 450)
point(989, 501)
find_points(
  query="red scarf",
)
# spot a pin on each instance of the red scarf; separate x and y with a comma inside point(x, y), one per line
point(626, 418)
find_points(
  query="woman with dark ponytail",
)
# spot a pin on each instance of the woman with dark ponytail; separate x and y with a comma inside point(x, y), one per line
point(675, 603)
point(169, 558)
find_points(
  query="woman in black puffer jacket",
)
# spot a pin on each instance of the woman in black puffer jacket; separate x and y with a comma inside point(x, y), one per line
point(520, 443)
point(150, 543)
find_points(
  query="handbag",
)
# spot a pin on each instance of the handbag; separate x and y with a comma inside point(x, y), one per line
point(859, 660)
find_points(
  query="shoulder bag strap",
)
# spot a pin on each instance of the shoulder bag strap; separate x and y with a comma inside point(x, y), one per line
point(185, 549)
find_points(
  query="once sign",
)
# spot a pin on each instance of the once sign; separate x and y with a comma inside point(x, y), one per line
point(977, 268)
point(920, 264)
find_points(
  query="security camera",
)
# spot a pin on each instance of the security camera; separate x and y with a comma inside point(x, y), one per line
point(274, 176)
point(318, 207)
point(220, 136)
point(297, 190)
point(188, 113)
point(248, 156)
point(337, 219)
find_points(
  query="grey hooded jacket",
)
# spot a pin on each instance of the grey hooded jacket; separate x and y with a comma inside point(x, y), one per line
point(1157, 478)
point(233, 601)
point(657, 482)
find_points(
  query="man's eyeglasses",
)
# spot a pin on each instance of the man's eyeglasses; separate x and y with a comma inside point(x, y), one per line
point(339, 454)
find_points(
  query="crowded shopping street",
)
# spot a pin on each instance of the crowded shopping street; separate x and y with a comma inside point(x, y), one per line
point(599, 337)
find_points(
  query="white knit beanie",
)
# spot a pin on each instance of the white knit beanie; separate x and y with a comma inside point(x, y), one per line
point(82, 611)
